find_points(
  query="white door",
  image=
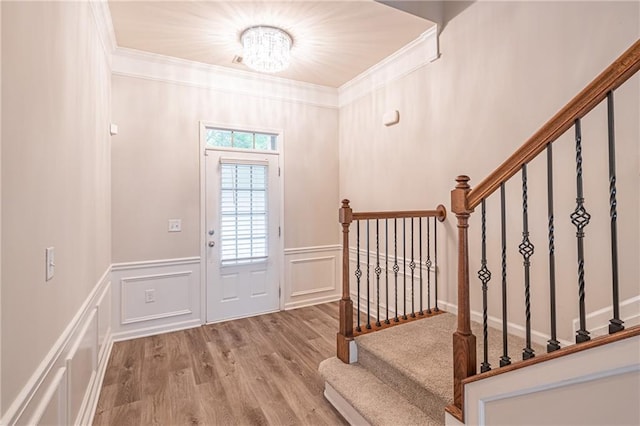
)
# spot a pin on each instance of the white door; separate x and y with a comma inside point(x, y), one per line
point(242, 209)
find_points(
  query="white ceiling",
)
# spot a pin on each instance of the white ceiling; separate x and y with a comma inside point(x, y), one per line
point(334, 41)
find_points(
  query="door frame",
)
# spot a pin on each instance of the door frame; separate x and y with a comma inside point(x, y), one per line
point(202, 151)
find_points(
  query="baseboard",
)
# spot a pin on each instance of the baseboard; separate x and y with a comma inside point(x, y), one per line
point(598, 321)
point(311, 302)
point(512, 328)
point(64, 388)
point(153, 330)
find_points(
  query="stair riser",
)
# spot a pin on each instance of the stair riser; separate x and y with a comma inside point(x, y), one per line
point(415, 393)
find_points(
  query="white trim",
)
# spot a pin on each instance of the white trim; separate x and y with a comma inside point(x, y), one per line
point(56, 354)
point(350, 414)
point(102, 18)
point(92, 404)
point(153, 330)
point(414, 55)
point(52, 389)
point(151, 66)
point(598, 321)
point(311, 302)
point(155, 263)
point(512, 328)
point(312, 249)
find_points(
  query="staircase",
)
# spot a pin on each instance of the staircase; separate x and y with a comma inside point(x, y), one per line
point(403, 374)
point(407, 364)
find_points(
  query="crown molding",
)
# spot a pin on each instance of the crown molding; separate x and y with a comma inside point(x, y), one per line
point(414, 55)
point(102, 17)
point(151, 66)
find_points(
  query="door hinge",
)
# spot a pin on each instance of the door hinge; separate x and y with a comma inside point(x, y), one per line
point(279, 231)
point(279, 292)
point(278, 171)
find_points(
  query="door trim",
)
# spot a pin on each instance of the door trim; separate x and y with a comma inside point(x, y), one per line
point(203, 125)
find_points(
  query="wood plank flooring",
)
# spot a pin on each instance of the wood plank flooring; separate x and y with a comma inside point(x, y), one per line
point(254, 371)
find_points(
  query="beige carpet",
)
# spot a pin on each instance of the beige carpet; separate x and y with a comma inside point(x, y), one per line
point(415, 360)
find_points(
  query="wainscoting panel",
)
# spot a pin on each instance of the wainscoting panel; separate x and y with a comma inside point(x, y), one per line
point(312, 275)
point(64, 389)
point(81, 363)
point(155, 297)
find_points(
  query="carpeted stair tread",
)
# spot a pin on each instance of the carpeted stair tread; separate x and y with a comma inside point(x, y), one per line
point(378, 403)
point(416, 358)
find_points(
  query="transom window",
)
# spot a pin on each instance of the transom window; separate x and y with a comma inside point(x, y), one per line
point(226, 138)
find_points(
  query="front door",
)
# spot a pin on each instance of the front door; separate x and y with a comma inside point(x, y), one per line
point(242, 217)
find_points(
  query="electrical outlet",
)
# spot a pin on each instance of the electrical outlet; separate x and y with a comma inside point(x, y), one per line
point(150, 295)
point(50, 262)
point(175, 225)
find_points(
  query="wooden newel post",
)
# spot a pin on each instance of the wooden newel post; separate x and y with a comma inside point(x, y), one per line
point(464, 342)
point(345, 334)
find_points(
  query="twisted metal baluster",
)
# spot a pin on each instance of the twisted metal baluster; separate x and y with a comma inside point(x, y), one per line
point(615, 323)
point(378, 271)
point(420, 260)
point(386, 269)
point(484, 275)
point(404, 269)
point(526, 249)
point(580, 219)
point(358, 272)
point(428, 265)
point(552, 344)
point(368, 283)
point(435, 263)
point(412, 266)
point(504, 359)
point(396, 268)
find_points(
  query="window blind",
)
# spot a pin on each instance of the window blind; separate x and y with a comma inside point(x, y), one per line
point(243, 234)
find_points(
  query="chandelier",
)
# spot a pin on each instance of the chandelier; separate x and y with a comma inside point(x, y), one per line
point(266, 49)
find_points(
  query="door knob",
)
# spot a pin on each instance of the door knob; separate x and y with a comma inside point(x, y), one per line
point(212, 243)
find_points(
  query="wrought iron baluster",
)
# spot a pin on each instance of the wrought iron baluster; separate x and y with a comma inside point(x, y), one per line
point(615, 323)
point(358, 273)
point(386, 269)
point(504, 359)
point(580, 219)
point(404, 268)
point(420, 260)
point(435, 263)
point(526, 249)
point(552, 344)
point(396, 268)
point(484, 275)
point(368, 283)
point(428, 265)
point(412, 266)
point(378, 271)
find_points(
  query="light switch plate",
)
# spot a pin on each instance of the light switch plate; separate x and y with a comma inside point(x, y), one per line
point(175, 225)
point(50, 262)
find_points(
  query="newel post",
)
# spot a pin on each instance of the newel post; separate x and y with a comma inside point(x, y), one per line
point(345, 333)
point(464, 342)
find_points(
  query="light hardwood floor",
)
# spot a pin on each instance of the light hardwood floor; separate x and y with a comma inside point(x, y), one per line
point(253, 371)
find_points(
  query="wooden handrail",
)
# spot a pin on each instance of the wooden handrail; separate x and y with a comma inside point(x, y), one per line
point(440, 212)
point(610, 79)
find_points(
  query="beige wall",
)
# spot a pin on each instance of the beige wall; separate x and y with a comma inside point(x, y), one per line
point(505, 68)
point(156, 175)
point(55, 176)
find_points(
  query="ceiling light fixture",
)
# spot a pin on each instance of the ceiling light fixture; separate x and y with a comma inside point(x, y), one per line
point(266, 49)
